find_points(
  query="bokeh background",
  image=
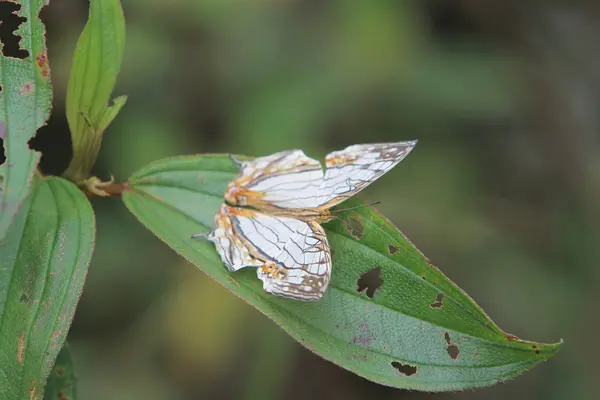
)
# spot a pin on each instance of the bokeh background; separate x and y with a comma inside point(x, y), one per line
point(502, 191)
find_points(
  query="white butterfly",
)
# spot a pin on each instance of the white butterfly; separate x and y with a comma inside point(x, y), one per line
point(273, 210)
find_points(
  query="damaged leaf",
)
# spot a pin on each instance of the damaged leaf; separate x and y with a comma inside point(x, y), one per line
point(25, 100)
point(62, 383)
point(44, 260)
point(96, 64)
point(395, 339)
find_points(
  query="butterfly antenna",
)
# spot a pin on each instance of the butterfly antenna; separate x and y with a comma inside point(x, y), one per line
point(236, 161)
point(367, 204)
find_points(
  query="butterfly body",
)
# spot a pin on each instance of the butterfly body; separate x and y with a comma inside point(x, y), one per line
point(273, 210)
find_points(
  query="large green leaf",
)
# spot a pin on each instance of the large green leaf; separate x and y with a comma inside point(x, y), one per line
point(417, 331)
point(25, 100)
point(62, 381)
point(96, 64)
point(44, 260)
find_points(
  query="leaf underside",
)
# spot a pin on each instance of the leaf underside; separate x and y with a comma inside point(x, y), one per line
point(418, 331)
point(44, 260)
point(25, 101)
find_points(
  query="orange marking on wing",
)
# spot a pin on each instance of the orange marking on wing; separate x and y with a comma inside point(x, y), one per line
point(333, 161)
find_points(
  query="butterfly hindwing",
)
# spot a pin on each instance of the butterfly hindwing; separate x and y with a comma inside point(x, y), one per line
point(303, 269)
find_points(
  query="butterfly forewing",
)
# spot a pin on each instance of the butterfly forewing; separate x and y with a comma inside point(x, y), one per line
point(286, 180)
point(350, 170)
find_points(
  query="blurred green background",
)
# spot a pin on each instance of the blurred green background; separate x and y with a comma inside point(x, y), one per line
point(501, 192)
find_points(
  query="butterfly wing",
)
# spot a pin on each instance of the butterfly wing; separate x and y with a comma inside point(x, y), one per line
point(303, 269)
point(235, 251)
point(292, 256)
point(350, 170)
point(284, 180)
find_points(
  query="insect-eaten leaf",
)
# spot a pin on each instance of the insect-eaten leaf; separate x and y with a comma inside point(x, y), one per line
point(62, 382)
point(25, 100)
point(44, 260)
point(96, 64)
point(393, 337)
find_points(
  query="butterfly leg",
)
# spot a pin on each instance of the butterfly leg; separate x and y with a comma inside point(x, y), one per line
point(208, 236)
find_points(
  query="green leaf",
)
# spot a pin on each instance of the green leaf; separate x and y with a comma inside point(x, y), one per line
point(96, 64)
point(418, 331)
point(62, 381)
point(25, 100)
point(44, 260)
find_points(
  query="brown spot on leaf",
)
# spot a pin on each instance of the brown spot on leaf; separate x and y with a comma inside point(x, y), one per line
point(363, 339)
point(404, 369)
point(452, 349)
point(21, 348)
point(23, 298)
point(354, 227)
point(438, 303)
point(537, 352)
point(42, 62)
point(392, 249)
point(371, 281)
point(26, 88)
point(511, 338)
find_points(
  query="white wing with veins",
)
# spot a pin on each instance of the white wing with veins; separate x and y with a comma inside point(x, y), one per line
point(351, 170)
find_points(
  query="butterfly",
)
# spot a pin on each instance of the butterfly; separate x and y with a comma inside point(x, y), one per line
point(273, 210)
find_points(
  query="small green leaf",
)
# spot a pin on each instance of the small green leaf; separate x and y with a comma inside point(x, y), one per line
point(44, 260)
point(388, 315)
point(96, 64)
point(111, 112)
point(25, 100)
point(62, 381)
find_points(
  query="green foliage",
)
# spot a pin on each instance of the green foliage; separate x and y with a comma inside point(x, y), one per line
point(25, 100)
point(62, 380)
point(96, 64)
point(44, 260)
point(417, 330)
point(389, 315)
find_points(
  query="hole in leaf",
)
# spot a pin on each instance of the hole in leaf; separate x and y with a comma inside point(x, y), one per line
point(371, 281)
point(404, 369)
point(452, 349)
point(2, 136)
point(54, 142)
point(354, 227)
point(392, 249)
point(9, 23)
point(438, 303)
